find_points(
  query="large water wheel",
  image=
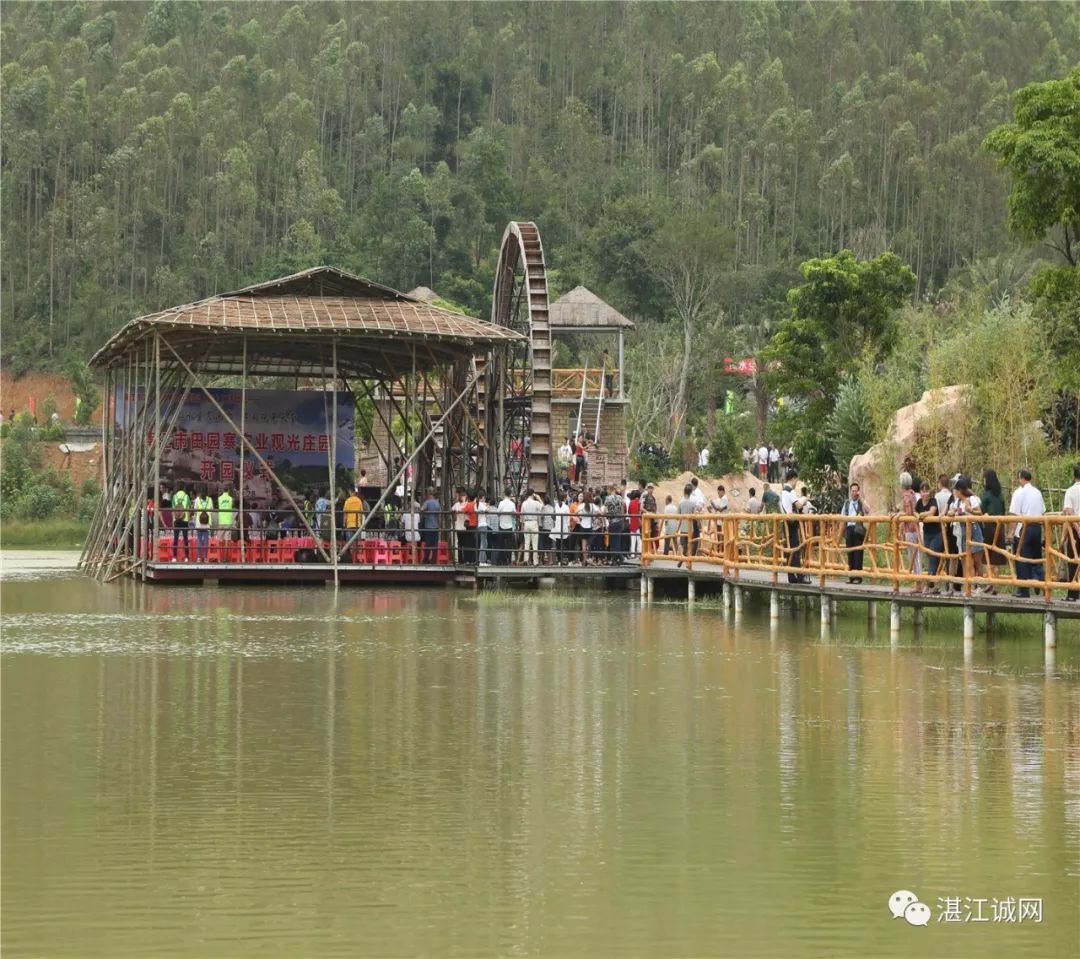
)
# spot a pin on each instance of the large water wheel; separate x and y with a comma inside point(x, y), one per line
point(516, 394)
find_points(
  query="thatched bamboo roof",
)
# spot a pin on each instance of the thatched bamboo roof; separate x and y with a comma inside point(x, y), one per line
point(290, 323)
point(581, 309)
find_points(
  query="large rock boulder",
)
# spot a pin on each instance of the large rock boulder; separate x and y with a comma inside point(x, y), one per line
point(877, 470)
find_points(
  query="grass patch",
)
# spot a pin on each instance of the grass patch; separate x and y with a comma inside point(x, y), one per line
point(43, 534)
point(952, 618)
point(545, 597)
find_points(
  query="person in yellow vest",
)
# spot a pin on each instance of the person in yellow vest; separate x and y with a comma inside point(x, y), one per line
point(203, 509)
point(353, 513)
point(225, 515)
point(181, 515)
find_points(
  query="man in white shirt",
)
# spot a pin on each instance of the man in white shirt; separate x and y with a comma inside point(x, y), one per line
point(1027, 500)
point(1071, 545)
point(504, 539)
point(774, 464)
point(697, 497)
point(788, 506)
point(753, 504)
point(761, 460)
point(720, 501)
point(703, 458)
point(530, 523)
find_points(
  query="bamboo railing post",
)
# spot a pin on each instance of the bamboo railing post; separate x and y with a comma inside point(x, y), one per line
point(777, 557)
point(821, 523)
point(1048, 559)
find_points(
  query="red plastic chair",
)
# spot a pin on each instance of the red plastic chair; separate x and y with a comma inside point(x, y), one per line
point(287, 550)
point(213, 555)
point(443, 557)
point(397, 554)
point(382, 553)
point(273, 551)
point(164, 550)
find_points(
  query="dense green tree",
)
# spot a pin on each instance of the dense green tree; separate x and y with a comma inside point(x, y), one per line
point(156, 152)
point(848, 427)
point(1041, 149)
point(843, 309)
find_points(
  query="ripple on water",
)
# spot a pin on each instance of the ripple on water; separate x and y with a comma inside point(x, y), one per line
point(232, 772)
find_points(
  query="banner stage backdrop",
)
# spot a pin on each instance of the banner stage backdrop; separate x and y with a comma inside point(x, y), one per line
point(289, 428)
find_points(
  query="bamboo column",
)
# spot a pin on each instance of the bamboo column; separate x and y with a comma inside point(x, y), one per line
point(117, 532)
point(157, 433)
point(333, 461)
point(401, 472)
point(241, 516)
point(247, 444)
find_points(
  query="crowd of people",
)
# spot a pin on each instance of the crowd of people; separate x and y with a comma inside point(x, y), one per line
point(604, 526)
point(940, 542)
point(767, 461)
point(585, 527)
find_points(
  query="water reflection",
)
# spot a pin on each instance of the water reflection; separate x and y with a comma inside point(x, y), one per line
point(229, 771)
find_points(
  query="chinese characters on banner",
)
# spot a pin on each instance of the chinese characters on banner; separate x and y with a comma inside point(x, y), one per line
point(289, 429)
point(744, 367)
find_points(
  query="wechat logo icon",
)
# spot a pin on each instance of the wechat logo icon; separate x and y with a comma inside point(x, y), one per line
point(904, 904)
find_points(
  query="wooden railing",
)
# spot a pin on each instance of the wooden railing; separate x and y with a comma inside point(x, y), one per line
point(567, 383)
point(894, 553)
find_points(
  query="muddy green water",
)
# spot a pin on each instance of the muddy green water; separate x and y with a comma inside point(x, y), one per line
point(286, 772)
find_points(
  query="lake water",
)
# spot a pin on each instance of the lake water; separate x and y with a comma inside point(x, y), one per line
point(289, 772)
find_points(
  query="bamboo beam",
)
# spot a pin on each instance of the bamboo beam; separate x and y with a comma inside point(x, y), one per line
point(401, 472)
point(254, 452)
point(116, 533)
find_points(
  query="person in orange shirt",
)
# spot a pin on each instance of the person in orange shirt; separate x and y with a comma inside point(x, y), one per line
point(573, 548)
point(468, 510)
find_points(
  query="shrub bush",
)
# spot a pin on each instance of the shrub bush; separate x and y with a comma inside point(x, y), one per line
point(38, 502)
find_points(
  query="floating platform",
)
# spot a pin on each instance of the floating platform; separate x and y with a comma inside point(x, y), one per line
point(274, 573)
point(675, 581)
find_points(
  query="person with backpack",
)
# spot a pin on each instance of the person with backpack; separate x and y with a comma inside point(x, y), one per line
point(854, 531)
point(203, 508)
point(181, 511)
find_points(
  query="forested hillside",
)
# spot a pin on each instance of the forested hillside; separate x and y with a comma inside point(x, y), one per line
point(154, 153)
